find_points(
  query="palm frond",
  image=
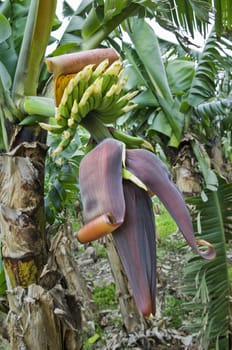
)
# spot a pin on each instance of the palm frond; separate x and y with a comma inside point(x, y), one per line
point(198, 15)
point(214, 108)
point(203, 85)
point(67, 10)
point(208, 282)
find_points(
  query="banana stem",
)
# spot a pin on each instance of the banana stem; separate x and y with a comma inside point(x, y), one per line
point(96, 128)
point(95, 40)
point(21, 69)
point(37, 32)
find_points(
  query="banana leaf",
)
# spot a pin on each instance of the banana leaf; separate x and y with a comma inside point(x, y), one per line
point(203, 84)
point(208, 282)
point(147, 48)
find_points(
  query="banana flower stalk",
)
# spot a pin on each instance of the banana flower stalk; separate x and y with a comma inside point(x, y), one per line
point(116, 186)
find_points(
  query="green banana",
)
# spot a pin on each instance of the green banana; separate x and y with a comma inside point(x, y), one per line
point(111, 98)
point(33, 120)
point(82, 86)
point(84, 104)
point(63, 111)
point(115, 68)
point(74, 112)
point(85, 76)
point(112, 114)
point(60, 119)
point(94, 88)
point(54, 128)
point(69, 101)
point(99, 70)
point(75, 93)
point(97, 92)
point(67, 138)
point(107, 82)
point(72, 124)
point(131, 141)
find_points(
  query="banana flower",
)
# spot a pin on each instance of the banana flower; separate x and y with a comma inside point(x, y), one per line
point(116, 186)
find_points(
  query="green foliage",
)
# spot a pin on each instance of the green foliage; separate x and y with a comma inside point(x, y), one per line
point(4, 28)
point(3, 286)
point(142, 35)
point(163, 114)
point(174, 311)
point(105, 297)
point(101, 251)
point(165, 224)
point(61, 181)
point(208, 281)
point(203, 86)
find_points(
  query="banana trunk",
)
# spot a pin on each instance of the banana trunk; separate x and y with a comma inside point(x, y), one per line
point(22, 214)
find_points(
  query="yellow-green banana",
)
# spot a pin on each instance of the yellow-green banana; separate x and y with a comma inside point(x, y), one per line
point(54, 128)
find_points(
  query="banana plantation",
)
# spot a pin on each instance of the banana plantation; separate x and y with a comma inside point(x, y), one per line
point(115, 175)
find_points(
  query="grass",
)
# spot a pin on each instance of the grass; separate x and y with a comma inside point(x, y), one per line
point(105, 296)
point(165, 224)
point(174, 311)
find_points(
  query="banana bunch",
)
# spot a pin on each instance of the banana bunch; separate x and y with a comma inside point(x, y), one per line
point(93, 91)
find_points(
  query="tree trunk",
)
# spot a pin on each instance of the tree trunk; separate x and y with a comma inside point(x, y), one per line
point(132, 318)
point(22, 218)
point(45, 316)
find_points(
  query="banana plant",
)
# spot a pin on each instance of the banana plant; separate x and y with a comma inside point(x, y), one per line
point(111, 203)
point(25, 32)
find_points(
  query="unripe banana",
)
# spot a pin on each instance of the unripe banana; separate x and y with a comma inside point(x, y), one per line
point(54, 128)
point(115, 68)
point(99, 70)
point(64, 111)
point(64, 98)
point(111, 114)
point(108, 82)
point(111, 97)
point(131, 141)
point(80, 82)
point(82, 86)
point(74, 109)
point(60, 119)
point(72, 124)
point(75, 93)
point(67, 138)
point(117, 106)
point(106, 103)
point(97, 92)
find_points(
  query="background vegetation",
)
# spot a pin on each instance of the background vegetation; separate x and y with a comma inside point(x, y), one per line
point(184, 110)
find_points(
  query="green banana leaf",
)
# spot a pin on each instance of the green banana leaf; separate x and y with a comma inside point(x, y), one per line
point(180, 73)
point(211, 181)
point(194, 15)
point(214, 108)
point(203, 85)
point(208, 282)
point(147, 48)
